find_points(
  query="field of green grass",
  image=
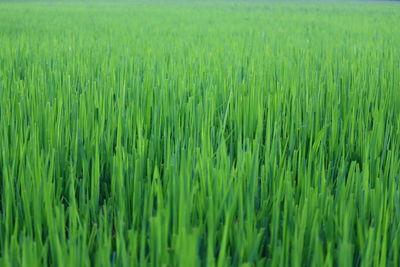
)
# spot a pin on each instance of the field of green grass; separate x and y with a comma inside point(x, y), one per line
point(199, 134)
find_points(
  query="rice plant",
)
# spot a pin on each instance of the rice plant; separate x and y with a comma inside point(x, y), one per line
point(199, 134)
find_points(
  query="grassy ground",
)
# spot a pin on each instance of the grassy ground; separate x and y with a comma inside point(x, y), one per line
point(194, 134)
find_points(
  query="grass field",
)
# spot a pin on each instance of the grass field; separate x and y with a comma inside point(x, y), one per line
point(200, 134)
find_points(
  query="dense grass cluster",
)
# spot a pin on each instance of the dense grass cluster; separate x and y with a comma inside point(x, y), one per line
point(200, 134)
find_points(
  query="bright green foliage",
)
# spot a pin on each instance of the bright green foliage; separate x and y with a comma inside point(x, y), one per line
point(200, 134)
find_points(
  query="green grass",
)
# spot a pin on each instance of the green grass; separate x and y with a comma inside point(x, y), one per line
point(200, 134)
